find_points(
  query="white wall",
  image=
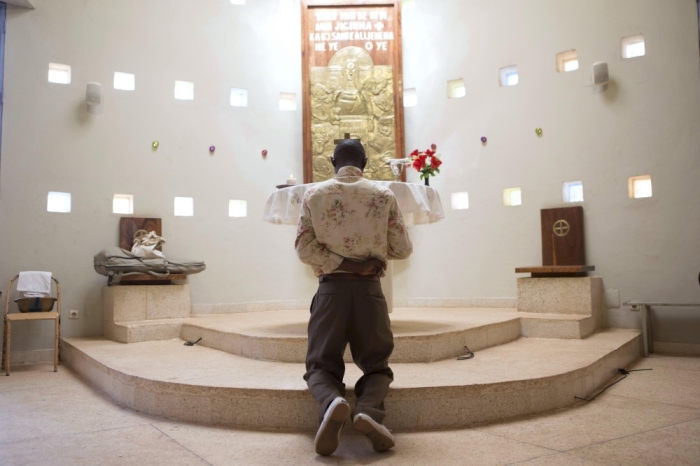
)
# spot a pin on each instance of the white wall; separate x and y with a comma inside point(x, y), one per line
point(646, 123)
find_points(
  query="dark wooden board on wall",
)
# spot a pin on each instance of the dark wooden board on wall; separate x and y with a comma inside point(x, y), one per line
point(562, 236)
point(313, 58)
point(130, 225)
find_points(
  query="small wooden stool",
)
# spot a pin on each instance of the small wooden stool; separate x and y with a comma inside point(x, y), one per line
point(24, 316)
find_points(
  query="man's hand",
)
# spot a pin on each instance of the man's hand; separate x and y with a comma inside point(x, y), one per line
point(369, 267)
point(372, 267)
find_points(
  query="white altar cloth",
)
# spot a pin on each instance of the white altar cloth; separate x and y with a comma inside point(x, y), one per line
point(419, 204)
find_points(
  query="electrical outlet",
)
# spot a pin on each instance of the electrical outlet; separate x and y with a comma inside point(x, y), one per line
point(73, 314)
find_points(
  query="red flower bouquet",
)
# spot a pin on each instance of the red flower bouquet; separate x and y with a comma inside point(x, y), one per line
point(427, 163)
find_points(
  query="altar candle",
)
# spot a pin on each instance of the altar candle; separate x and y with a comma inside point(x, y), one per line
point(291, 180)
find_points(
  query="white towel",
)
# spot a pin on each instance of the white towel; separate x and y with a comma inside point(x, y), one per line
point(34, 284)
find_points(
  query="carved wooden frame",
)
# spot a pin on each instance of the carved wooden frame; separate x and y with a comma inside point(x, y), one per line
point(399, 134)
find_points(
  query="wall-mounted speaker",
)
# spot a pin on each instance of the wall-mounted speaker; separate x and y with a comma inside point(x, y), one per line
point(93, 98)
point(94, 94)
point(600, 73)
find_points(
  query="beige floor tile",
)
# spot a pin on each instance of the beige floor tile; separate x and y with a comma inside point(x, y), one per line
point(561, 459)
point(142, 445)
point(59, 410)
point(72, 424)
point(663, 384)
point(463, 447)
point(673, 445)
point(30, 376)
point(686, 363)
point(606, 418)
point(220, 446)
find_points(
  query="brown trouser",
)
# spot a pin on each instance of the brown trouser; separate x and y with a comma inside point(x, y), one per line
point(354, 312)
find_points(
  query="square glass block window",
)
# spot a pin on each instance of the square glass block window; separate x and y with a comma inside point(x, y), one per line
point(124, 81)
point(59, 74)
point(567, 61)
point(239, 97)
point(58, 202)
point(184, 90)
point(237, 2)
point(573, 191)
point(508, 76)
point(184, 207)
point(456, 89)
point(639, 186)
point(123, 204)
point(237, 208)
point(512, 197)
point(288, 101)
point(633, 46)
point(410, 97)
point(460, 201)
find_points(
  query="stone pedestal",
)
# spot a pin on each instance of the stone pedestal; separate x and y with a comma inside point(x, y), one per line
point(129, 312)
point(562, 295)
point(580, 299)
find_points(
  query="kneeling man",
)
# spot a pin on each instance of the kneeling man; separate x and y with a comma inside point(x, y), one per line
point(348, 228)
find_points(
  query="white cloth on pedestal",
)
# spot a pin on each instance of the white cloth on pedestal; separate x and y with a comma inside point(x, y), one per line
point(419, 204)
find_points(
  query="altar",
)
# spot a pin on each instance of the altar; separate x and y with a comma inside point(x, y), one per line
point(419, 204)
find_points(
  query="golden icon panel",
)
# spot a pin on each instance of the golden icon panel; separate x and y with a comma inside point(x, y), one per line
point(352, 83)
point(352, 96)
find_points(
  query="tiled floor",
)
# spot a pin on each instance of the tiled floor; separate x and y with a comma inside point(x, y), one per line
point(652, 417)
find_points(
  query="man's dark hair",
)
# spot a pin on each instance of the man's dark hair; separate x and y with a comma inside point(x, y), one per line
point(349, 152)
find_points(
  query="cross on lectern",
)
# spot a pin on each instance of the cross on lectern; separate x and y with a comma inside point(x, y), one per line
point(561, 228)
point(347, 136)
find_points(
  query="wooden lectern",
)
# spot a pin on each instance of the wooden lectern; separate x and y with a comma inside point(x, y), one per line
point(562, 236)
point(563, 248)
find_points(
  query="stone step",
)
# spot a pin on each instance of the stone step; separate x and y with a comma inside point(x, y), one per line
point(200, 384)
point(143, 330)
point(420, 335)
point(540, 325)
